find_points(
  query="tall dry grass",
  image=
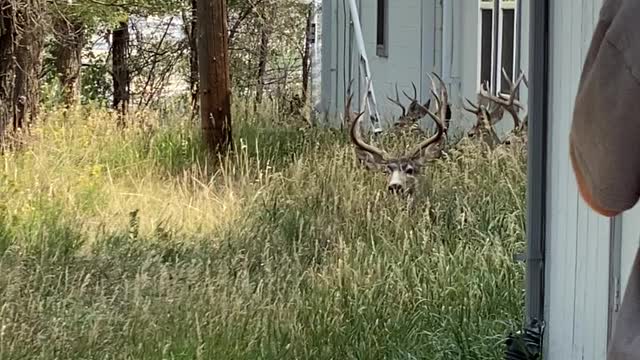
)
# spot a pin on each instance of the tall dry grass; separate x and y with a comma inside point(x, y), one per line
point(132, 245)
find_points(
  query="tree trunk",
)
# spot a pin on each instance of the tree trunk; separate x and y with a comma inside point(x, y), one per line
point(193, 58)
point(68, 53)
point(28, 58)
point(215, 93)
point(7, 65)
point(120, 65)
point(306, 57)
point(263, 57)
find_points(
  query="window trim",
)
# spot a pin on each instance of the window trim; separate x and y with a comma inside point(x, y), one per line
point(506, 5)
point(496, 41)
point(382, 50)
point(484, 5)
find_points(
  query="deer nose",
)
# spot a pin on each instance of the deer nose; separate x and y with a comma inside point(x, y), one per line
point(395, 188)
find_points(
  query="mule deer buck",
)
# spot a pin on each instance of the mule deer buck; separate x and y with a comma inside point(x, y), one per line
point(409, 119)
point(490, 110)
point(402, 171)
point(483, 128)
point(416, 111)
point(510, 104)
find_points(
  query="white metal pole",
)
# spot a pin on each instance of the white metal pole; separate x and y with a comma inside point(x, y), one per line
point(374, 117)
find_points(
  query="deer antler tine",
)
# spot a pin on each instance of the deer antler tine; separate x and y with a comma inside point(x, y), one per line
point(407, 96)
point(504, 74)
point(354, 132)
point(439, 120)
point(435, 95)
point(364, 103)
point(415, 93)
point(443, 91)
point(473, 107)
point(397, 101)
point(417, 150)
point(438, 101)
point(518, 82)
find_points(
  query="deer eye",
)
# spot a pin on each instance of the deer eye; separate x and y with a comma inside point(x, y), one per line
point(409, 170)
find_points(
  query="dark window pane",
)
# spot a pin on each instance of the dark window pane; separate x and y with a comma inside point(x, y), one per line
point(381, 22)
point(508, 33)
point(485, 45)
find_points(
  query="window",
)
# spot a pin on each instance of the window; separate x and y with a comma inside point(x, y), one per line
point(507, 44)
point(497, 45)
point(382, 29)
point(486, 43)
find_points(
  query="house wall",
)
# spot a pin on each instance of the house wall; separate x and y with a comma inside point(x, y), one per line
point(578, 240)
point(411, 53)
point(423, 37)
point(630, 239)
point(467, 50)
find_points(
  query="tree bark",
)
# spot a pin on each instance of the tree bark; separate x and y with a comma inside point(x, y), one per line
point(306, 57)
point(68, 53)
point(193, 58)
point(263, 57)
point(120, 69)
point(28, 59)
point(7, 65)
point(215, 92)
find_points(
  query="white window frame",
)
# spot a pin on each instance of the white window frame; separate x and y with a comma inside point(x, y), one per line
point(506, 5)
point(382, 50)
point(496, 41)
point(485, 5)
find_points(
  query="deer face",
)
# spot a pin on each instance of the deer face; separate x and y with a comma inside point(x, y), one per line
point(483, 128)
point(402, 171)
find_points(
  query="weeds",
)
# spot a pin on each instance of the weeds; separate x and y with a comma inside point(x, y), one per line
point(134, 246)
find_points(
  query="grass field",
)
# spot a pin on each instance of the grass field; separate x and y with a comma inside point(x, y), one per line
point(133, 246)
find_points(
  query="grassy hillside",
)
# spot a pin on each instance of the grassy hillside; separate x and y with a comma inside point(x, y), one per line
point(132, 246)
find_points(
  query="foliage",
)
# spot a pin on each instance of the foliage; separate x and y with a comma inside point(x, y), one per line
point(129, 244)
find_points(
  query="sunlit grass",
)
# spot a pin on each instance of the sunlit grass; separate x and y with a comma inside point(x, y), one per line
point(133, 244)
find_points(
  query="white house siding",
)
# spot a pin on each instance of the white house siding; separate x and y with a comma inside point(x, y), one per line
point(630, 239)
point(577, 250)
point(421, 39)
point(467, 48)
point(408, 53)
point(404, 63)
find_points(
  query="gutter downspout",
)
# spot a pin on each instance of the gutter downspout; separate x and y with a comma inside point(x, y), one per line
point(537, 159)
point(517, 49)
point(447, 43)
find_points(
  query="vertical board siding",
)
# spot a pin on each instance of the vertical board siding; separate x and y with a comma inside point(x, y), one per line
point(403, 65)
point(413, 52)
point(629, 245)
point(467, 28)
point(577, 249)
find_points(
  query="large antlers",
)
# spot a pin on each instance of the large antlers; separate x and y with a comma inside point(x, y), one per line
point(415, 94)
point(508, 102)
point(440, 119)
point(381, 155)
point(354, 131)
point(397, 102)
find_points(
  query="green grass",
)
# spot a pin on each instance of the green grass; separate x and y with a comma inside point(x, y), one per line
point(133, 246)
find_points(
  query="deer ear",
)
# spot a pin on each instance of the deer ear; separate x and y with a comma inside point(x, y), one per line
point(369, 160)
